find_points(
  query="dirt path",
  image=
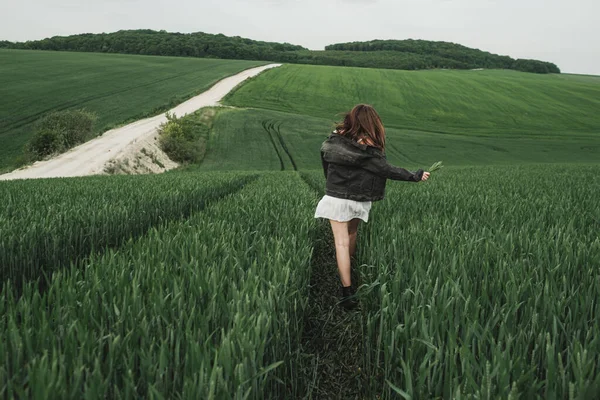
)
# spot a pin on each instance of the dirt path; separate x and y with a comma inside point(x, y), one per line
point(91, 157)
point(332, 340)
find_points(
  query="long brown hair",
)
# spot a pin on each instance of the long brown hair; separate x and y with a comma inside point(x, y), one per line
point(363, 122)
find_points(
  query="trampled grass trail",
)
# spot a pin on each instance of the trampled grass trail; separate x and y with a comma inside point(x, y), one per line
point(332, 342)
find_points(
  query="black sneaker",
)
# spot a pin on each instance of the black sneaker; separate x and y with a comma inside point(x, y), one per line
point(349, 300)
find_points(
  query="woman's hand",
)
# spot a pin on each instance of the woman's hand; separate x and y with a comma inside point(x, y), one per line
point(425, 176)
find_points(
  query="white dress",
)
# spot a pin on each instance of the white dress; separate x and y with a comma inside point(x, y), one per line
point(342, 210)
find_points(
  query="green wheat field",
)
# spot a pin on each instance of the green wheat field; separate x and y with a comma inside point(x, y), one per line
point(214, 281)
point(119, 88)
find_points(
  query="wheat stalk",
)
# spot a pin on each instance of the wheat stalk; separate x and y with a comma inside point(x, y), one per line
point(436, 166)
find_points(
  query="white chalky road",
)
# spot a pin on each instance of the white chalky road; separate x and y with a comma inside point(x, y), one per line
point(90, 158)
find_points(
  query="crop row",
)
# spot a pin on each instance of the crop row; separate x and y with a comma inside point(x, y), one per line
point(46, 224)
point(206, 308)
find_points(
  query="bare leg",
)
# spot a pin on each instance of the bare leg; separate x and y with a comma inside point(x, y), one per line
point(352, 232)
point(342, 250)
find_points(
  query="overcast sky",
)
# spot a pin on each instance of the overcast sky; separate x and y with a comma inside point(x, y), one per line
point(564, 32)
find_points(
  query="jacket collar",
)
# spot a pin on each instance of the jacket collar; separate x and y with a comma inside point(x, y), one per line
point(363, 147)
point(348, 140)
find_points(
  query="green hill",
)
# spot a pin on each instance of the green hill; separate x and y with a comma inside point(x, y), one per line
point(118, 88)
point(461, 117)
point(505, 103)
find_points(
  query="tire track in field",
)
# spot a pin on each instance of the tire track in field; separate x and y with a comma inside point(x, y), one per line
point(284, 146)
point(268, 126)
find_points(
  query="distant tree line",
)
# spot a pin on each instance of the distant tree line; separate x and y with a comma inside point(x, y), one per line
point(373, 59)
point(392, 54)
point(467, 57)
point(162, 43)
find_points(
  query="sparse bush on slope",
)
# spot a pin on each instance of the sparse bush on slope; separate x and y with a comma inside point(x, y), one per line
point(60, 131)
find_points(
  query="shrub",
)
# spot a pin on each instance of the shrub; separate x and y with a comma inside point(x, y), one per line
point(181, 150)
point(182, 138)
point(44, 143)
point(173, 127)
point(59, 131)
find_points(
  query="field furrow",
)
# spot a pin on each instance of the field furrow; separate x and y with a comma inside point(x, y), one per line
point(268, 127)
point(277, 130)
point(49, 224)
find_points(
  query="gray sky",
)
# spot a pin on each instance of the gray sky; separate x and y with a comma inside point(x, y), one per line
point(564, 32)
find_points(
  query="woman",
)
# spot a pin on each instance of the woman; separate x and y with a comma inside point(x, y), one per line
point(356, 169)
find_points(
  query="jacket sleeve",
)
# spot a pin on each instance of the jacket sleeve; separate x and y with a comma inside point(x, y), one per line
point(380, 167)
point(325, 164)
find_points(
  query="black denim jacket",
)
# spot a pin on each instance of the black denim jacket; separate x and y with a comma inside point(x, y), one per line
point(358, 172)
